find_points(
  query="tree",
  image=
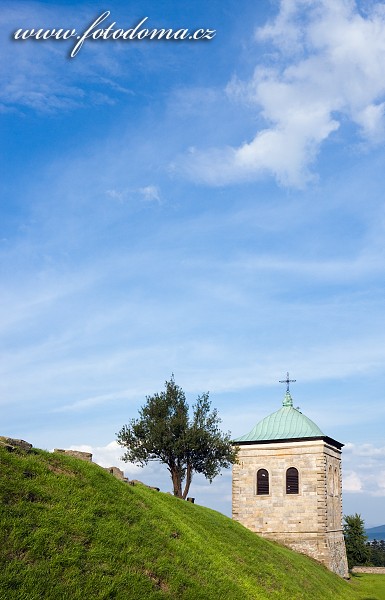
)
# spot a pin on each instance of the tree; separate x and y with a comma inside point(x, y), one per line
point(357, 551)
point(164, 432)
point(377, 553)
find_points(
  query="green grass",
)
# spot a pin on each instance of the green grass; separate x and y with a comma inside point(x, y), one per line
point(69, 530)
point(370, 586)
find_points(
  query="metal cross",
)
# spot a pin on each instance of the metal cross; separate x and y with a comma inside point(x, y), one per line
point(287, 381)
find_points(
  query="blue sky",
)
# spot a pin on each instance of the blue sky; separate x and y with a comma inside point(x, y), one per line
point(212, 209)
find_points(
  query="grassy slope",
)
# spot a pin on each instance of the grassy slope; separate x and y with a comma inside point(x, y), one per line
point(69, 530)
point(371, 586)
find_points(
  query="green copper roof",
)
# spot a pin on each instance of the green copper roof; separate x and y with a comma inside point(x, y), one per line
point(287, 423)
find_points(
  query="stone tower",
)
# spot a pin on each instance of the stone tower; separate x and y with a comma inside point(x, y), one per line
point(287, 486)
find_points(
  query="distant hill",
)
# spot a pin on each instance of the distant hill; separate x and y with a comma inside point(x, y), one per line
point(70, 531)
point(376, 533)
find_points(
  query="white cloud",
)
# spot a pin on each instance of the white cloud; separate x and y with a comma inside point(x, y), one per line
point(352, 482)
point(117, 195)
point(150, 193)
point(147, 193)
point(365, 469)
point(328, 67)
point(371, 119)
point(381, 482)
point(366, 450)
point(105, 456)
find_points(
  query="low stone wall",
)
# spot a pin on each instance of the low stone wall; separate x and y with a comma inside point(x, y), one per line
point(11, 443)
point(76, 454)
point(371, 570)
point(116, 473)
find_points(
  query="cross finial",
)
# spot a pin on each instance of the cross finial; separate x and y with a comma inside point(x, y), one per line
point(287, 381)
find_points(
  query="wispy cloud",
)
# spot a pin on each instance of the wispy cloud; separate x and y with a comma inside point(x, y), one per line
point(324, 67)
point(147, 193)
point(31, 78)
point(365, 469)
point(352, 482)
point(150, 193)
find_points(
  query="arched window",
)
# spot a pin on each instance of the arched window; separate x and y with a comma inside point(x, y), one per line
point(262, 482)
point(292, 481)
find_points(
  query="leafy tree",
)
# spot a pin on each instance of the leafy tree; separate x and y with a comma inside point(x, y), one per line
point(357, 551)
point(165, 432)
point(377, 553)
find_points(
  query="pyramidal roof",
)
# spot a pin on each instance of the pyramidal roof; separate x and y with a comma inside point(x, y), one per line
point(284, 424)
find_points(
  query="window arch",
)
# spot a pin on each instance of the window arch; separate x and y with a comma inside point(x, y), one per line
point(292, 481)
point(262, 482)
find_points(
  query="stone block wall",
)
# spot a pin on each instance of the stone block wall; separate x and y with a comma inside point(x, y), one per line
point(87, 456)
point(118, 473)
point(12, 443)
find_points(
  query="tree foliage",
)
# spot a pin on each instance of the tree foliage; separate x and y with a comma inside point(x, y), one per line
point(357, 550)
point(165, 432)
point(377, 553)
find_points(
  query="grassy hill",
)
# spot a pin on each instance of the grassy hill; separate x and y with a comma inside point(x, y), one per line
point(69, 530)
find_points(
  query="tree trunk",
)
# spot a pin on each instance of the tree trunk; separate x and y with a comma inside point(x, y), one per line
point(188, 481)
point(176, 481)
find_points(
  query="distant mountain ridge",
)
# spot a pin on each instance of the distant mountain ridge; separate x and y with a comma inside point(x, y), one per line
point(376, 533)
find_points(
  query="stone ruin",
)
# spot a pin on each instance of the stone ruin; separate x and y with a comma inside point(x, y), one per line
point(87, 456)
point(11, 444)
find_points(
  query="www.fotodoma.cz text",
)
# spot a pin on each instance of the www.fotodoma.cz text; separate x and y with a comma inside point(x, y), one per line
point(94, 32)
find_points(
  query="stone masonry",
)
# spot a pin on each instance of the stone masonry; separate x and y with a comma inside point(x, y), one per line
point(87, 456)
point(310, 521)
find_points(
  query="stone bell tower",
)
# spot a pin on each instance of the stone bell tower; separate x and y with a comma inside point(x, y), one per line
point(287, 485)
